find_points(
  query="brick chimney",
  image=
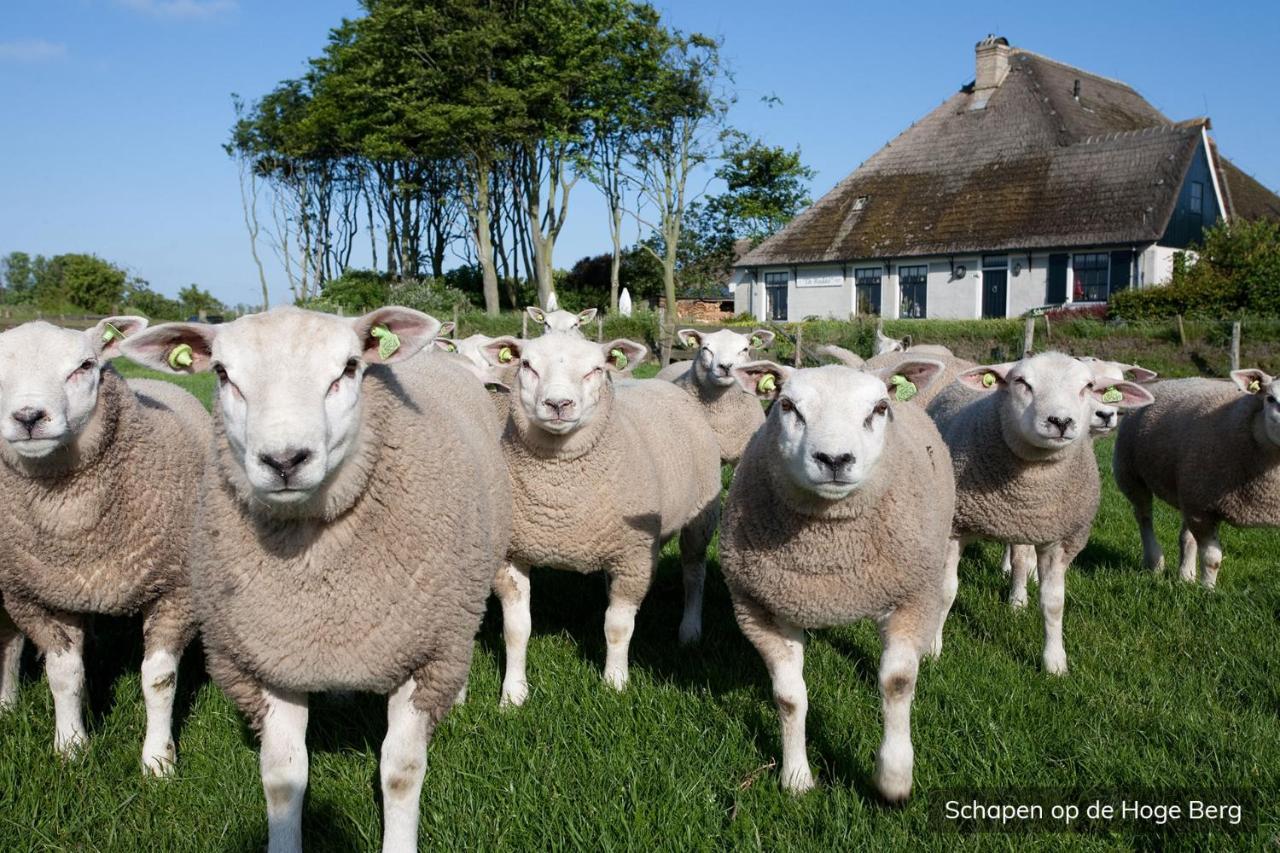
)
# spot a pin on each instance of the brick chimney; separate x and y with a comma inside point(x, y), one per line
point(992, 55)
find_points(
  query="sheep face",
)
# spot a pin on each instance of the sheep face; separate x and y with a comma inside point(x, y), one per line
point(288, 386)
point(720, 352)
point(885, 344)
point(560, 378)
point(1048, 400)
point(471, 348)
point(49, 379)
point(561, 321)
point(1267, 389)
point(1105, 416)
point(828, 424)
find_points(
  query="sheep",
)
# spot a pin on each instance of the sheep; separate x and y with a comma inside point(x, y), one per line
point(351, 521)
point(1211, 449)
point(886, 344)
point(840, 510)
point(553, 320)
point(1025, 470)
point(841, 355)
point(708, 378)
point(11, 643)
point(602, 474)
point(96, 482)
point(951, 368)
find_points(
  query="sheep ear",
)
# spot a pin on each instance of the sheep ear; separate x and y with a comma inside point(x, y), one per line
point(762, 379)
point(389, 335)
point(446, 344)
point(689, 338)
point(586, 316)
point(172, 347)
point(761, 338)
point(536, 314)
point(502, 352)
point(622, 355)
point(1251, 380)
point(986, 377)
point(446, 330)
point(1140, 374)
point(908, 378)
point(1123, 395)
point(110, 332)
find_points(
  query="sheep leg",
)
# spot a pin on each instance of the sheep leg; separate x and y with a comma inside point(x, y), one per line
point(694, 539)
point(950, 586)
point(1053, 569)
point(781, 646)
point(1205, 532)
point(64, 667)
point(905, 634)
point(1023, 558)
point(512, 587)
point(11, 642)
point(403, 767)
point(167, 627)
point(1190, 552)
point(1152, 555)
point(284, 767)
point(626, 591)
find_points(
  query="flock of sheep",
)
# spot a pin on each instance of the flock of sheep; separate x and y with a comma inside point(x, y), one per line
point(341, 519)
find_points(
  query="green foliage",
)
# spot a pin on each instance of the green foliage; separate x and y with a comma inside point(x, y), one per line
point(357, 291)
point(1237, 270)
point(429, 295)
point(194, 300)
point(766, 185)
point(86, 281)
point(139, 298)
point(19, 278)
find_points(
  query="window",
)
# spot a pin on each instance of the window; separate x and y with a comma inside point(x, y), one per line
point(775, 291)
point(1092, 273)
point(913, 284)
point(1197, 198)
point(859, 203)
point(867, 290)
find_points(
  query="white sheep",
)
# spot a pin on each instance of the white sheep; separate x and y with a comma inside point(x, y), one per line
point(1025, 469)
point(1211, 449)
point(97, 484)
point(566, 322)
point(351, 523)
point(602, 474)
point(708, 377)
point(11, 643)
point(840, 511)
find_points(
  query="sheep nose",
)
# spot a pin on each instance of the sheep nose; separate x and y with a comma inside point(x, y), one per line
point(724, 369)
point(1063, 424)
point(835, 463)
point(285, 463)
point(560, 407)
point(29, 416)
point(1105, 417)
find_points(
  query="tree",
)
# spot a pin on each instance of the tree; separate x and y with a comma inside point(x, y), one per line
point(766, 187)
point(89, 282)
point(19, 277)
point(685, 113)
point(194, 300)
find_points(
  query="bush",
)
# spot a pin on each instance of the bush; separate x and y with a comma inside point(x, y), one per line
point(356, 291)
point(430, 295)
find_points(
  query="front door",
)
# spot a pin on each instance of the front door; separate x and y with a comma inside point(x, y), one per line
point(775, 291)
point(995, 292)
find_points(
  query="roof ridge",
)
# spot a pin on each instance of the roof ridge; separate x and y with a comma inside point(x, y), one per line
point(1076, 68)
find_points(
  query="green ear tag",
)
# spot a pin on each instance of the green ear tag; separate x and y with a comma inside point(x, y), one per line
point(181, 356)
point(690, 343)
point(756, 343)
point(620, 360)
point(904, 388)
point(504, 355)
point(1111, 395)
point(1255, 386)
point(111, 333)
point(450, 348)
point(766, 384)
point(388, 341)
point(988, 380)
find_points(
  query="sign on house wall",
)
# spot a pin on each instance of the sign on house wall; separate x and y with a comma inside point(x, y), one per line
point(820, 277)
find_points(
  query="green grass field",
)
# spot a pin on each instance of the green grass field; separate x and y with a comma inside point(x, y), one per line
point(1172, 690)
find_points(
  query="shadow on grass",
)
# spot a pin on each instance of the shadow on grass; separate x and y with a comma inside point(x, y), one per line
point(324, 827)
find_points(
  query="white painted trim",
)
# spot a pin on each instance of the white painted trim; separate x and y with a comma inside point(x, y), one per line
point(1213, 175)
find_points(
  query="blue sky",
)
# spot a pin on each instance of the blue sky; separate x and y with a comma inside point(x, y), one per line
point(116, 110)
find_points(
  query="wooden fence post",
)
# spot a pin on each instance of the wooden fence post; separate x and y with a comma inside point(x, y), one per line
point(599, 329)
point(1029, 336)
point(524, 325)
point(1235, 345)
point(799, 356)
point(1182, 333)
point(457, 332)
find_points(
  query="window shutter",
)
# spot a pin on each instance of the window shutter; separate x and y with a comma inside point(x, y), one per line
point(1057, 290)
point(1121, 263)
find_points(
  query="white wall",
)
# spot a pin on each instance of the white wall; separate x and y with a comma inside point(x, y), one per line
point(820, 291)
point(953, 298)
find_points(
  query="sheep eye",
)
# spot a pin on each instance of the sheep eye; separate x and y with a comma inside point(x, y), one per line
point(881, 407)
point(1024, 383)
point(595, 371)
point(1271, 398)
point(353, 364)
point(786, 405)
point(221, 373)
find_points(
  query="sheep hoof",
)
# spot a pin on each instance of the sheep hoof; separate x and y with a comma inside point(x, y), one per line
point(68, 745)
point(159, 761)
point(616, 678)
point(461, 698)
point(935, 648)
point(1018, 602)
point(690, 633)
point(797, 780)
point(513, 696)
point(1055, 663)
point(894, 785)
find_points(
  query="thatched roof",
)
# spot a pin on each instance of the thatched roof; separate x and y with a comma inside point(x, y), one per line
point(1037, 167)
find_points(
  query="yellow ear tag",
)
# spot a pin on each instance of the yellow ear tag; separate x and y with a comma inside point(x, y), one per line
point(904, 389)
point(988, 380)
point(1255, 386)
point(690, 343)
point(756, 342)
point(388, 341)
point(181, 356)
point(504, 355)
point(620, 360)
point(111, 333)
point(1112, 395)
point(766, 384)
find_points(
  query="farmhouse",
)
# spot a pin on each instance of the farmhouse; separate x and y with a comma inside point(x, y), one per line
point(1036, 184)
